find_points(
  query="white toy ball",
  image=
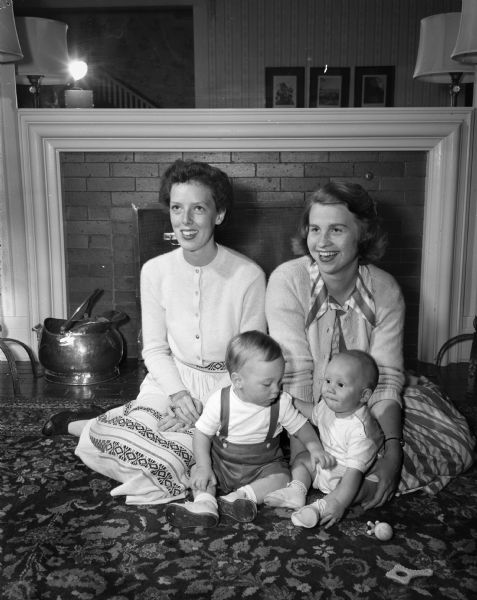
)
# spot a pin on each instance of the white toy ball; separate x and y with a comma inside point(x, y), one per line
point(383, 531)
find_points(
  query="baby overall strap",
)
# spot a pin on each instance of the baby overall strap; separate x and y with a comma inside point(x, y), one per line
point(224, 412)
point(274, 412)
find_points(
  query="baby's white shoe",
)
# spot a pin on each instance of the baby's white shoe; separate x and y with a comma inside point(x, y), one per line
point(310, 515)
point(242, 510)
point(293, 496)
point(192, 514)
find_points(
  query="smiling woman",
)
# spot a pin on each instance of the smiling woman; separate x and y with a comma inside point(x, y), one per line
point(333, 236)
point(334, 300)
point(195, 211)
point(193, 300)
point(193, 218)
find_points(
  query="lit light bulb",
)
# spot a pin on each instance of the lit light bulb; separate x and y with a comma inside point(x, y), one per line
point(78, 69)
point(76, 97)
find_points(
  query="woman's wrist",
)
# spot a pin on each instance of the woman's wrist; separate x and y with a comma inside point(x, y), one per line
point(393, 446)
point(393, 440)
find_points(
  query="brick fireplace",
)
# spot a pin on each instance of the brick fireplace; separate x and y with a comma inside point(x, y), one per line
point(101, 237)
point(82, 171)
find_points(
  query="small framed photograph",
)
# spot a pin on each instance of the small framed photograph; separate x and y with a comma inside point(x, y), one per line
point(374, 87)
point(329, 87)
point(285, 87)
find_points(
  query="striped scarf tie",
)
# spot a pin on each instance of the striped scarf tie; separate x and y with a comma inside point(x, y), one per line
point(361, 300)
point(338, 343)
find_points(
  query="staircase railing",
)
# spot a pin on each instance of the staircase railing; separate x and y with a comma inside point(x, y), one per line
point(110, 92)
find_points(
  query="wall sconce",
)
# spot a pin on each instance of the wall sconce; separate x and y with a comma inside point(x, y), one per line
point(465, 50)
point(45, 62)
point(10, 50)
point(434, 63)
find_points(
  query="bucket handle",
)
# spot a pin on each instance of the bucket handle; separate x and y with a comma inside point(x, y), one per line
point(114, 316)
point(84, 309)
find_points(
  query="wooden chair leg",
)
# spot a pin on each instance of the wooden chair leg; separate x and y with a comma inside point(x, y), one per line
point(12, 365)
point(472, 369)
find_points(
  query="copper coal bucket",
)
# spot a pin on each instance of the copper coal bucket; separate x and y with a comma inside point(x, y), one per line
point(81, 350)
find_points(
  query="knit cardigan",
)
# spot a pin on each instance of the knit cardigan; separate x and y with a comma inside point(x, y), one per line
point(191, 312)
point(307, 351)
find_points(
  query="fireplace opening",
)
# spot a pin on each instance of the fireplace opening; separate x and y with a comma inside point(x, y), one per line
point(109, 232)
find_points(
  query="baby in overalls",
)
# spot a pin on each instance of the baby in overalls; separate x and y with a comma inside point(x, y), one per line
point(237, 437)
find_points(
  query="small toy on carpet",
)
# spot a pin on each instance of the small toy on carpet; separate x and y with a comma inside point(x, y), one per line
point(404, 575)
point(383, 531)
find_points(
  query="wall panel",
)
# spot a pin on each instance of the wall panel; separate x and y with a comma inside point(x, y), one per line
point(247, 36)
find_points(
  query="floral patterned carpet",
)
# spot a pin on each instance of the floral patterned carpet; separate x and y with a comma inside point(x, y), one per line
point(64, 537)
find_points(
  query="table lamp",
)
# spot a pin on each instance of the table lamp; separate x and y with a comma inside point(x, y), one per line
point(434, 64)
point(465, 50)
point(45, 62)
point(10, 50)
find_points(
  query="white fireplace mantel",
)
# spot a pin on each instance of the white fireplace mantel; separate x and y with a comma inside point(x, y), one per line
point(445, 134)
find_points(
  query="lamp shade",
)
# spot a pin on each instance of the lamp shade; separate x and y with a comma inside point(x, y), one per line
point(43, 42)
point(466, 45)
point(10, 50)
point(437, 39)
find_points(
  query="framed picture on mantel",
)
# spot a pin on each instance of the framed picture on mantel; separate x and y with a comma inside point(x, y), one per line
point(374, 87)
point(284, 87)
point(329, 87)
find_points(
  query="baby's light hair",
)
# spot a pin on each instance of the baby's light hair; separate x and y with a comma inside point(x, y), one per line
point(370, 368)
point(247, 344)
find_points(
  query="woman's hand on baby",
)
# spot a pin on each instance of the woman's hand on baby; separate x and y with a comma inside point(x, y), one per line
point(186, 408)
point(388, 470)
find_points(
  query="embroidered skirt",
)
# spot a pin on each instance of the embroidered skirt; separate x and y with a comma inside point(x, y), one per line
point(126, 445)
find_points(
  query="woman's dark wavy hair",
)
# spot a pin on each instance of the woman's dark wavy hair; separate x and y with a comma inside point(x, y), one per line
point(373, 240)
point(185, 171)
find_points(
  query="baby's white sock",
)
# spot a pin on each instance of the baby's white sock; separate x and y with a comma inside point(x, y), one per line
point(298, 485)
point(248, 492)
point(310, 515)
point(232, 496)
point(205, 497)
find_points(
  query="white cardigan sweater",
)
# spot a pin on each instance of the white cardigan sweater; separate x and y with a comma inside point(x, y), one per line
point(192, 312)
